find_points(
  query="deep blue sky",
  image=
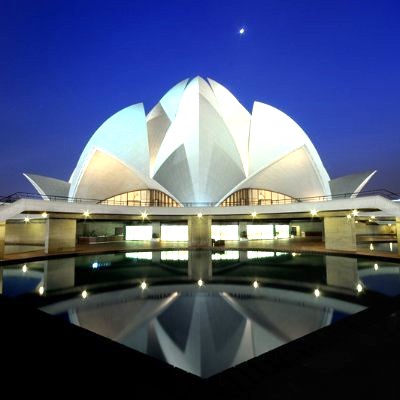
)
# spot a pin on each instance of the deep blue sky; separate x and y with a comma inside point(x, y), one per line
point(66, 66)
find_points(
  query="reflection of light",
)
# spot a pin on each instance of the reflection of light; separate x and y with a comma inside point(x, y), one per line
point(376, 267)
point(348, 216)
point(140, 255)
point(143, 285)
point(175, 255)
point(259, 254)
point(226, 255)
point(391, 246)
point(359, 288)
point(95, 264)
point(371, 247)
point(200, 282)
point(24, 268)
point(291, 236)
point(44, 214)
point(84, 294)
point(41, 290)
point(294, 254)
point(317, 293)
point(255, 284)
point(313, 212)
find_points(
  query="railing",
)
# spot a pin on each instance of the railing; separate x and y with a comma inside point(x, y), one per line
point(23, 195)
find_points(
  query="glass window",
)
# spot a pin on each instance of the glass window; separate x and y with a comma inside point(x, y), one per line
point(174, 233)
point(258, 232)
point(138, 232)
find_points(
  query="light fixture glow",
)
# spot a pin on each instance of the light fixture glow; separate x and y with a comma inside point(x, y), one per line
point(359, 288)
point(44, 214)
point(86, 214)
point(348, 216)
point(255, 284)
point(253, 214)
point(41, 290)
point(355, 213)
point(317, 293)
point(372, 216)
point(376, 267)
point(84, 294)
point(200, 282)
point(144, 214)
point(143, 285)
point(95, 265)
point(199, 215)
point(24, 268)
point(313, 212)
point(27, 219)
point(371, 246)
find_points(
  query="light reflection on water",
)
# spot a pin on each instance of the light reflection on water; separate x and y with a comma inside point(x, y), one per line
point(156, 306)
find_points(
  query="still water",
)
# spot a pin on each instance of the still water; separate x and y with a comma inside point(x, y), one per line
point(202, 311)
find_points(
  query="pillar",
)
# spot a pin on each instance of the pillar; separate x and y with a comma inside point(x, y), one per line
point(340, 233)
point(341, 272)
point(59, 274)
point(199, 231)
point(60, 235)
point(156, 228)
point(200, 265)
point(2, 239)
point(242, 228)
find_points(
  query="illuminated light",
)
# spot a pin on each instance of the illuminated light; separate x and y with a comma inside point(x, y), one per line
point(255, 285)
point(200, 282)
point(41, 290)
point(84, 294)
point(391, 246)
point(356, 222)
point(44, 214)
point(355, 213)
point(86, 214)
point(199, 215)
point(291, 236)
point(348, 216)
point(253, 214)
point(317, 293)
point(24, 268)
point(376, 267)
point(27, 219)
point(242, 31)
point(95, 265)
point(371, 247)
point(372, 216)
point(313, 212)
point(175, 294)
point(389, 224)
point(143, 285)
point(359, 288)
point(294, 254)
point(144, 214)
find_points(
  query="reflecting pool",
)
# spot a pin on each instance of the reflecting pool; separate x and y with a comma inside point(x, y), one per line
point(202, 311)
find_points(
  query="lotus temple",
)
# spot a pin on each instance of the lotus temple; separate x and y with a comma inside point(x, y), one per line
point(198, 168)
point(208, 245)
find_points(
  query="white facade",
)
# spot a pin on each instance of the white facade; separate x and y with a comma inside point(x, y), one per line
point(197, 145)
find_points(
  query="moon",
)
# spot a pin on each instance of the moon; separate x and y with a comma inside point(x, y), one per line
point(241, 31)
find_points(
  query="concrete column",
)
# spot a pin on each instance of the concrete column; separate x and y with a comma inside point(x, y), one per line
point(199, 231)
point(340, 233)
point(398, 234)
point(60, 235)
point(200, 265)
point(59, 274)
point(243, 255)
point(2, 239)
point(341, 272)
point(156, 228)
point(242, 227)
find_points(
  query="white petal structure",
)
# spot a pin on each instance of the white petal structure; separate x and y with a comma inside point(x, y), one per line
point(199, 145)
